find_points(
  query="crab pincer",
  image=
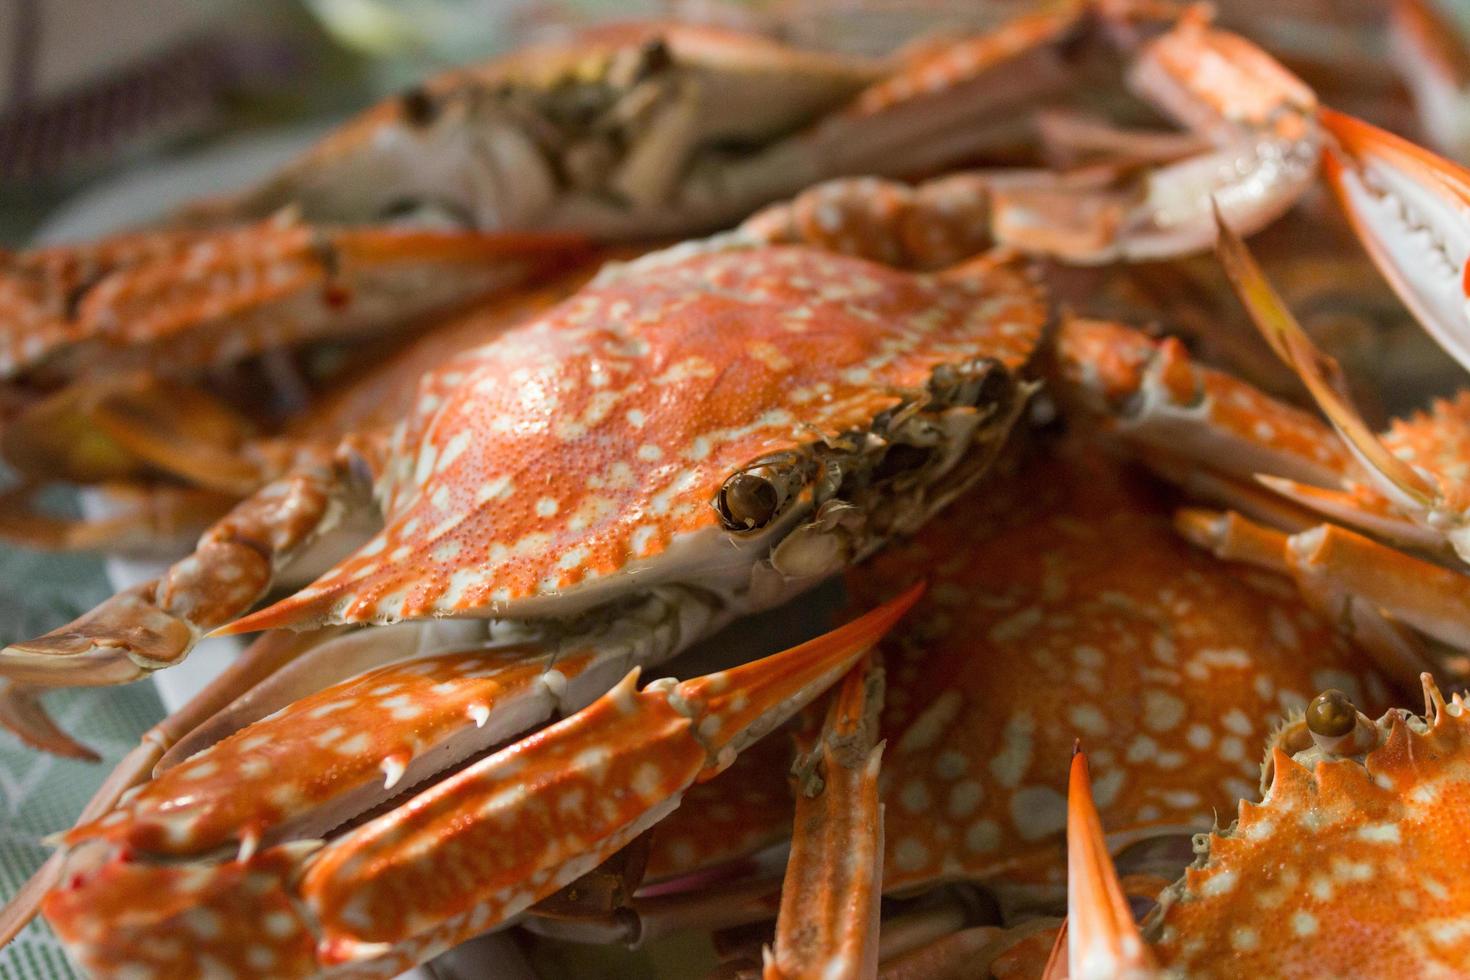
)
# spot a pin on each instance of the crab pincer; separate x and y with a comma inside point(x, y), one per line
point(460, 856)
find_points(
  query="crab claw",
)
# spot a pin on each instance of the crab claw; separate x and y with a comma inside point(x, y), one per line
point(1411, 210)
point(1103, 941)
point(525, 821)
point(22, 714)
point(475, 848)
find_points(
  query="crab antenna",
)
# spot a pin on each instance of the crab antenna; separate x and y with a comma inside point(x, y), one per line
point(1318, 371)
point(1102, 939)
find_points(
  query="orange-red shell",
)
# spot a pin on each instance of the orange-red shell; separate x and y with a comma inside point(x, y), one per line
point(598, 435)
point(1345, 869)
point(1063, 606)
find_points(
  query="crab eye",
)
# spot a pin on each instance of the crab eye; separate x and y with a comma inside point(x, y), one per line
point(748, 502)
point(1331, 714)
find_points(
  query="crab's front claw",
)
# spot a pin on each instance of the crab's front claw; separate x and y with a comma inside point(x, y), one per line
point(1411, 210)
point(523, 822)
point(478, 847)
point(1103, 941)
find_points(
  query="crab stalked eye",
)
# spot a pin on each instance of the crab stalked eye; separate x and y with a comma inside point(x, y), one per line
point(748, 502)
point(751, 498)
point(1331, 714)
point(982, 381)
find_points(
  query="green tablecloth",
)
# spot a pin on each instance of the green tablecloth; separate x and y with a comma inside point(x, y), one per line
point(41, 794)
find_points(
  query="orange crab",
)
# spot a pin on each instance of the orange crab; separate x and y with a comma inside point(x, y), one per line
point(1347, 867)
point(791, 409)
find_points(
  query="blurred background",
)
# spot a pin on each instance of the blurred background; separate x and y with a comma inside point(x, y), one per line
point(90, 88)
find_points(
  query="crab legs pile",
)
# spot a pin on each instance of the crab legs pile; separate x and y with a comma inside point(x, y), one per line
point(1052, 526)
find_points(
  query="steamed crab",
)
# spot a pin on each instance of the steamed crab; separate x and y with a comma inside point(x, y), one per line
point(1345, 868)
point(630, 132)
point(789, 409)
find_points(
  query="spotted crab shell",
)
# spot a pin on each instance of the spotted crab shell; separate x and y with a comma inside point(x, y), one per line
point(1063, 606)
point(541, 471)
point(1348, 867)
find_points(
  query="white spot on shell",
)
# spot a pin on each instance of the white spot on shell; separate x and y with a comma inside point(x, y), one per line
point(1162, 711)
point(1038, 811)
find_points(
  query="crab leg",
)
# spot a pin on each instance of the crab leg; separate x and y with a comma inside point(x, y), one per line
point(1151, 394)
point(155, 625)
point(828, 925)
point(1102, 939)
point(1341, 571)
point(473, 850)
